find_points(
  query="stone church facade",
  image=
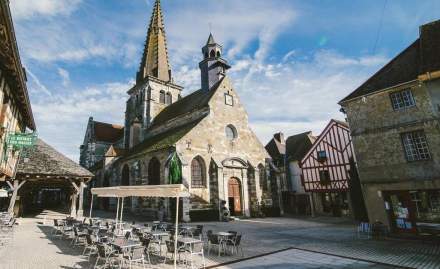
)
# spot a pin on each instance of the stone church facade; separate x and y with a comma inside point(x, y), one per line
point(221, 158)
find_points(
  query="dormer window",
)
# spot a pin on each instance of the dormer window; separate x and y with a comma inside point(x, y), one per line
point(162, 97)
point(322, 156)
point(168, 98)
point(402, 99)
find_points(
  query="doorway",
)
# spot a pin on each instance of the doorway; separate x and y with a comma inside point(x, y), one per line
point(401, 211)
point(234, 196)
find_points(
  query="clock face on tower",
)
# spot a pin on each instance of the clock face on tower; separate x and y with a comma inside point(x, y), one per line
point(229, 99)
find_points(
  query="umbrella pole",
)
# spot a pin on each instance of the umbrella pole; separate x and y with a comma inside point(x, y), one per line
point(122, 210)
point(175, 232)
point(117, 212)
point(91, 206)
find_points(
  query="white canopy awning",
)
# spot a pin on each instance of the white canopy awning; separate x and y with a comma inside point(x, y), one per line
point(167, 190)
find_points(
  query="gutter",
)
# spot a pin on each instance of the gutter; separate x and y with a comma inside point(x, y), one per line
point(429, 76)
point(341, 103)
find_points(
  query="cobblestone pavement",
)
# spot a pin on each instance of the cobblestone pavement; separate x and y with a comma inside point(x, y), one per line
point(34, 247)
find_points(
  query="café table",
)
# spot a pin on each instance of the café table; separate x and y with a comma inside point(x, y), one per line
point(124, 245)
point(223, 237)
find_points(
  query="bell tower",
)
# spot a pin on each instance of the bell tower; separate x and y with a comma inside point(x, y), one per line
point(213, 67)
point(154, 89)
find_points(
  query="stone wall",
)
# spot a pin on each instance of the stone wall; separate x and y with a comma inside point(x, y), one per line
point(376, 130)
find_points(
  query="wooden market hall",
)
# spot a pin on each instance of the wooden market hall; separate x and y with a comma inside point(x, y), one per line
point(48, 179)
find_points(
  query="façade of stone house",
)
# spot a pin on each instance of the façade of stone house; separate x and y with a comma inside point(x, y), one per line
point(394, 122)
point(98, 138)
point(221, 158)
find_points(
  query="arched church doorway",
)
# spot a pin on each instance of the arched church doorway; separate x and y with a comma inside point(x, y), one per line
point(234, 196)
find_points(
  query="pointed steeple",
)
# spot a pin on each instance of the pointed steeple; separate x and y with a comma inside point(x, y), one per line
point(155, 57)
point(211, 40)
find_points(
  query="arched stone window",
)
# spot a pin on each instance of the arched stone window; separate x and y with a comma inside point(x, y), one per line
point(212, 54)
point(125, 178)
point(162, 97)
point(231, 132)
point(198, 177)
point(262, 177)
point(218, 54)
point(168, 98)
point(154, 172)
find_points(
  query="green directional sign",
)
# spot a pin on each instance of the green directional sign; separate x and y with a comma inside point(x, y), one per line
point(21, 139)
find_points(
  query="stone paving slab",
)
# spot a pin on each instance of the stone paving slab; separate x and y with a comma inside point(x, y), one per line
point(34, 247)
point(301, 259)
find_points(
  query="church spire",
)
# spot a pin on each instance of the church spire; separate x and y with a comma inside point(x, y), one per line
point(155, 57)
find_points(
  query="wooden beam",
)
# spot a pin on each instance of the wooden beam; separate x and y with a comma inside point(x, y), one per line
point(75, 186)
point(10, 185)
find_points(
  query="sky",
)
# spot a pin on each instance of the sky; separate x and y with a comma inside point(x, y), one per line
point(292, 61)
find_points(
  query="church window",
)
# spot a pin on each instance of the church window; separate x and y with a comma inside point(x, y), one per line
point(218, 54)
point(262, 177)
point(231, 132)
point(198, 173)
point(154, 172)
point(168, 98)
point(162, 97)
point(212, 54)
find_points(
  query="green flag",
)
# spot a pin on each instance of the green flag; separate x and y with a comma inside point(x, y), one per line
point(175, 172)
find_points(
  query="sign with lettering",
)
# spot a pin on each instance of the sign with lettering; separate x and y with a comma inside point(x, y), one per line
point(21, 140)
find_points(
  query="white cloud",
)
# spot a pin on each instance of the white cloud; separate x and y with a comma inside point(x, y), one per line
point(65, 77)
point(62, 118)
point(41, 87)
point(26, 9)
point(301, 95)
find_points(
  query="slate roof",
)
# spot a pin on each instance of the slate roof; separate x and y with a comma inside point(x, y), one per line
point(422, 56)
point(298, 145)
point(190, 103)
point(187, 104)
point(42, 159)
point(107, 132)
point(162, 140)
point(275, 148)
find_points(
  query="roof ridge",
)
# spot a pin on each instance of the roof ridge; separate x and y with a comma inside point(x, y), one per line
point(388, 64)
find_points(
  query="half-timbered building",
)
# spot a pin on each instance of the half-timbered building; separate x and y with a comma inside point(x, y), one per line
point(326, 170)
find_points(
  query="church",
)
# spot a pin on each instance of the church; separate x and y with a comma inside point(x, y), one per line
point(206, 133)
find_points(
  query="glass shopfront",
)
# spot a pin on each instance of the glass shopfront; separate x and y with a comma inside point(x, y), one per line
point(415, 211)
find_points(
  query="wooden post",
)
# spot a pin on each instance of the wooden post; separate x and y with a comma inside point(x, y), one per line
point(312, 205)
point(17, 185)
point(80, 211)
point(73, 198)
